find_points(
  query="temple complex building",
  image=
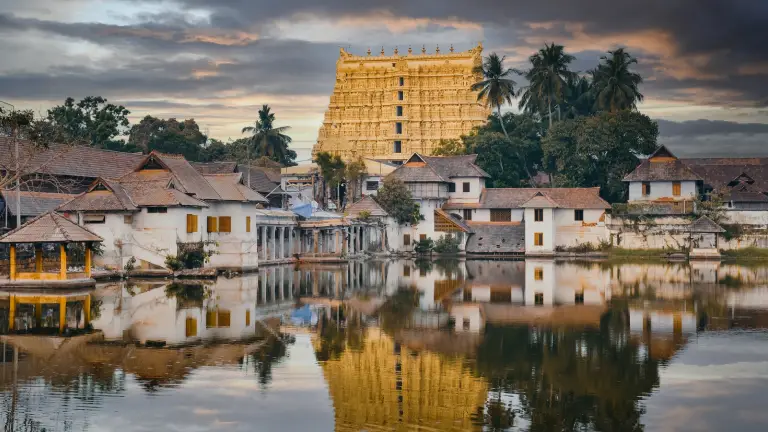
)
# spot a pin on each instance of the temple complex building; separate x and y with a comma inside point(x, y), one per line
point(389, 107)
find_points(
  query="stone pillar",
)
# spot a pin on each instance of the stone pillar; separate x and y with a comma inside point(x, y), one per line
point(315, 241)
point(281, 245)
point(337, 242)
point(263, 234)
point(291, 252)
point(273, 244)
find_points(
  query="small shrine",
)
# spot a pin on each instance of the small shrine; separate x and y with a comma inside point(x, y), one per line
point(49, 250)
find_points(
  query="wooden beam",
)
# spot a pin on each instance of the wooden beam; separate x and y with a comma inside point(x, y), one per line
point(13, 262)
point(63, 259)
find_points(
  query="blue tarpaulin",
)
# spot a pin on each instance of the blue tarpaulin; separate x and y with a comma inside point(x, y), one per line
point(303, 210)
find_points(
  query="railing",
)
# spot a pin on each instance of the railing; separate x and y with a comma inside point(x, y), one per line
point(654, 208)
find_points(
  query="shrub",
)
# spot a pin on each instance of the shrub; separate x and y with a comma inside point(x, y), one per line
point(447, 244)
point(423, 246)
point(364, 215)
point(130, 265)
point(173, 262)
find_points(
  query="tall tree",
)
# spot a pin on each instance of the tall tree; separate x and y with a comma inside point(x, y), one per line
point(354, 173)
point(332, 171)
point(598, 151)
point(396, 199)
point(496, 89)
point(547, 80)
point(449, 147)
point(268, 140)
point(615, 86)
point(168, 136)
point(580, 100)
point(93, 120)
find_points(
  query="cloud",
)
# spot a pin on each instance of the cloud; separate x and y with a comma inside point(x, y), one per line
point(714, 138)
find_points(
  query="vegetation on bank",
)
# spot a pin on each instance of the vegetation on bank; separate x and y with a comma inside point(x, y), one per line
point(750, 253)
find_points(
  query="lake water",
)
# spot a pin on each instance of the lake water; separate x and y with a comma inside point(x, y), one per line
point(399, 345)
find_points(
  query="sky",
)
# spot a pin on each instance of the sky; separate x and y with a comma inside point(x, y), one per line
point(705, 62)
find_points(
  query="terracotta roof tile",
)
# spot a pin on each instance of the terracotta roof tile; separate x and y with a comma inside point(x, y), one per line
point(34, 203)
point(229, 187)
point(366, 204)
point(262, 180)
point(674, 170)
point(102, 195)
point(438, 169)
point(206, 168)
point(50, 228)
point(511, 198)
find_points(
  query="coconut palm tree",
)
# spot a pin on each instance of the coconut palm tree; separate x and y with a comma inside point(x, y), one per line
point(580, 100)
point(496, 89)
point(268, 140)
point(547, 80)
point(614, 84)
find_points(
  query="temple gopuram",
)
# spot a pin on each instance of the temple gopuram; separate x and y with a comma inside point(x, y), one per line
point(388, 107)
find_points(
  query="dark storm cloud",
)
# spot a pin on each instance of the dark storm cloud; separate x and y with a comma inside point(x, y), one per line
point(714, 138)
point(698, 128)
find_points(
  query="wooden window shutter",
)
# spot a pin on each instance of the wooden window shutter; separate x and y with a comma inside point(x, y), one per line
point(191, 223)
point(676, 189)
point(213, 225)
point(248, 317)
point(225, 224)
point(247, 224)
point(191, 327)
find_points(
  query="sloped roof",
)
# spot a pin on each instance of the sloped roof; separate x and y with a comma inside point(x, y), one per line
point(262, 180)
point(438, 168)
point(71, 160)
point(705, 225)
point(192, 180)
point(230, 188)
point(460, 223)
point(540, 200)
point(496, 238)
point(511, 198)
point(717, 173)
point(50, 227)
point(206, 168)
point(102, 195)
point(674, 170)
point(34, 203)
point(156, 193)
point(366, 204)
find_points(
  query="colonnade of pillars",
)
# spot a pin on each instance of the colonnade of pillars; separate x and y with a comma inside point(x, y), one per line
point(340, 240)
point(276, 242)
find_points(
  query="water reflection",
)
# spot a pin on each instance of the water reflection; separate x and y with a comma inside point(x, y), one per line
point(395, 345)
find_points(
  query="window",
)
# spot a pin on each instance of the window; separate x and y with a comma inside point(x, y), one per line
point(94, 218)
point(400, 95)
point(398, 147)
point(538, 239)
point(501, 215)
point(157, 209)
point(676, 188)
point(578, 215)
point(406, 271)
point(247, 224)
point(191, 223)
point(538, 274)
point(422, 237)
point(191, 327)
point(468, 214)
point(225, 224)
point(217, 318)
point(402, 81)
point(579, 298)
point(407, 239)
point(371, 185)
point(399, 111)
point(398, 128)
point(538, 299)
point(248, 317)
point(646, 188)
point(451, 187)
point(128, 219)
point(538, 215)
point(212, 224)
point(465, 186)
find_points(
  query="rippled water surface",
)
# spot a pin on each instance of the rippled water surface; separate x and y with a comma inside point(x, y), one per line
point(397, 345)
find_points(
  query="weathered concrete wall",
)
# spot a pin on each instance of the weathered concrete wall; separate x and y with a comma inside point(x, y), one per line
point(662, 190)
point(571, 232)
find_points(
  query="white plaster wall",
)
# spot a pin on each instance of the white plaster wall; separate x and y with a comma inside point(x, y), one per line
point(545, 286)
point(484, 215)
point(472, 313)
point(594, 282)
point(661, 322)
point(237, 248)
point(570, 232)
point(748, 217)
point(375, 178)
point(476, 186)
point(547, 227)
point(663, 189)
point(114, 231)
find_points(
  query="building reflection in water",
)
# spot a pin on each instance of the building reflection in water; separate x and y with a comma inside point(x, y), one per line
point(445, 345)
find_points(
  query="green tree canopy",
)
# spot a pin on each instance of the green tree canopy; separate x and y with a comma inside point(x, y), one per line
point(450, 147)
point(615, 86)
point(396, 199)
point(599, 150)
point(93, 120)
point(268, 140)
point(168, 136)
point(547, 81)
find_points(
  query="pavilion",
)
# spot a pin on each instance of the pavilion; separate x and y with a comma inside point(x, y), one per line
point(50, 236)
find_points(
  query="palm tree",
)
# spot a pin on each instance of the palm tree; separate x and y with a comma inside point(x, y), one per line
point(268, 140)
point(614, 84)
point(548, 80)
point(580, 99)
point(496, 89)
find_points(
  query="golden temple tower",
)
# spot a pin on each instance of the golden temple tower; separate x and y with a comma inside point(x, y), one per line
point(388, 107)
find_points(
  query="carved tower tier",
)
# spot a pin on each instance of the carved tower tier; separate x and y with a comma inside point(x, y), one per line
point(388, 107)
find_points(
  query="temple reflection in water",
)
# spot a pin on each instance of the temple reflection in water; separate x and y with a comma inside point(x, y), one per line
point(444, 345)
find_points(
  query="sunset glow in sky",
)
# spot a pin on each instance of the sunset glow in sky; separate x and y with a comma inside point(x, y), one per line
point(705, 62)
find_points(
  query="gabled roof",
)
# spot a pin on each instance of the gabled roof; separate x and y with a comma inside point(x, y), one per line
point(262, 180)
point(229, 187)
point(705, 225)
point(366, 204)
point(101, 195)
point(429, 169)
point(206, 168)
point(662, 165)
point(50, 228)
point(540, 200)
point(34, 203)
point(191, 180)
point(512, 198)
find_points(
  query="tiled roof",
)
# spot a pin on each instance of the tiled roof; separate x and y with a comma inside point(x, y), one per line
point(717, 173)
point(34, 203)
point(75, 160)
point(496, 238)
point(673, 170)
point(206, 168)
point(366, 204)
point(102, 195)
point(229, 187)
point(705, 225)
point(157, 194)
point(192, 181)
point(438, 169)
point(510, 198)
point(262, 180)
point(50, 228)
